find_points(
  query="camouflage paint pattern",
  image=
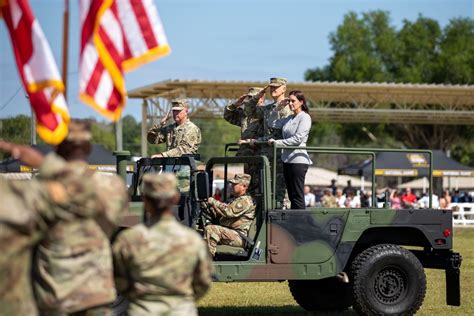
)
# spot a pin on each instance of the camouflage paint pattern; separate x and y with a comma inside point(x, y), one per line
point(180, 139)
point(161, 267)
point(73, 264)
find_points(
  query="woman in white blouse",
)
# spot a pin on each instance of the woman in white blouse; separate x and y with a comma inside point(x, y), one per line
point(295, 130)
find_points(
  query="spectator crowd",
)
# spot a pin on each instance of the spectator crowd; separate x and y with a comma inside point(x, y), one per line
point(351, 197)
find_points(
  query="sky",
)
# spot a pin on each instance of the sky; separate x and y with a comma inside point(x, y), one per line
point(219, 40)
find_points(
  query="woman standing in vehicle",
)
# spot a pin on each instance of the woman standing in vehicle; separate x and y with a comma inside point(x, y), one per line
point(295, 129)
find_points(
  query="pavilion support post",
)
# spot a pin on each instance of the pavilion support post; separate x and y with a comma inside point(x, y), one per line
point(118, 135)
point(144, 128)
point(33, 128)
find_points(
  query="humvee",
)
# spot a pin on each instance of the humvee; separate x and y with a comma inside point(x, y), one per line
point(370, 258)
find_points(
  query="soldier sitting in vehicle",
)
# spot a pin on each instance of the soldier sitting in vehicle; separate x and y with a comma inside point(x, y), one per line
point(182, 137)
point(234, 218)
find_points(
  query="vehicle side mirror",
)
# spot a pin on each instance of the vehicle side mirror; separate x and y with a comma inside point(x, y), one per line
point(202, 186)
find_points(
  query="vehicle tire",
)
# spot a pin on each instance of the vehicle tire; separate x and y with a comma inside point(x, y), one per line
point(325, 294)
point(387, 279)
point(119, 306)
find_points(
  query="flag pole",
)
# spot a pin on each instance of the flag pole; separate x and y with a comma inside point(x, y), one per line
point(65, 44)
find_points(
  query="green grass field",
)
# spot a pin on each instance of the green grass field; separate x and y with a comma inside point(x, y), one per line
point(275, 298)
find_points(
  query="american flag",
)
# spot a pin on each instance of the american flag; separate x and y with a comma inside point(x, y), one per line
point(116, 36)
point(38, 70)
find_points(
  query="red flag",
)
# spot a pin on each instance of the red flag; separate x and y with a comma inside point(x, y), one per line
point(38, 70)
point(116, 36)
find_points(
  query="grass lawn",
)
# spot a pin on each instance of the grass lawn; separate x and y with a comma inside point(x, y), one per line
point(275, 298)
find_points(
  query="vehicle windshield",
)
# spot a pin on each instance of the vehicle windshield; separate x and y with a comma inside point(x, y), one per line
point(182, 172)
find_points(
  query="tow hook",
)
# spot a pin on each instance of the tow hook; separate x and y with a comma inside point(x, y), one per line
point(456, 260)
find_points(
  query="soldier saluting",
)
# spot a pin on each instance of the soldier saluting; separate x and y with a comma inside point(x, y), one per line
point(270, 113)
point(182, 137)
point(28, 210)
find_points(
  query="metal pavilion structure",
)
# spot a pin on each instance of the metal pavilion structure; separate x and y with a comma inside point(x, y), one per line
point(343, 102)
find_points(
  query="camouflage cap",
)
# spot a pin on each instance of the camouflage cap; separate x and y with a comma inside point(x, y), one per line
point(79, 131)
point(159, 186)
point(276, 82)
point(253, 91)
point(242, 178)
point(179, 104)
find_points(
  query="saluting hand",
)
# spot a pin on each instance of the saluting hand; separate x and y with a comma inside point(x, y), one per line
point(29, 156)
point(163, 120)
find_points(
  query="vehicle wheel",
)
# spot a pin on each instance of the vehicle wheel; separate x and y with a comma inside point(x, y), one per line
point(119, 306)
point(325, 294)
point(387, 279)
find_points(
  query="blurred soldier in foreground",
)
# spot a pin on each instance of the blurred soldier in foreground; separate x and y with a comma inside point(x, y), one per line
point(242, 113)
point(72, 268)
point(28, 209)
point(161, 266)
point(234, 217)
point(182, 137)
point(276, 110)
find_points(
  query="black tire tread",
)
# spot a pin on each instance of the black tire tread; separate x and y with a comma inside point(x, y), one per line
point(360, 264)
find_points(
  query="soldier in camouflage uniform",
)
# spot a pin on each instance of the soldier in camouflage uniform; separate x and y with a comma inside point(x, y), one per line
point(328, 200)
point(278, 109)
point(182, 137)
point(72, 268)
point(242, 113)
point(28, 210)
point(161, 266)
point(234, 217)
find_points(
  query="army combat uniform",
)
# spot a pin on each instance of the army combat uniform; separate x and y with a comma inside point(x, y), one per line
point(28, 210)
point(251, 127)
point(235, 218)
point(73, 264)
point(180, 139)
point(329, 201)
point(270, 113)
point(162, 267)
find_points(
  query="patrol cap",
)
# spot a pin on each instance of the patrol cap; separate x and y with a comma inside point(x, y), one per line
point(159, 186)
point(241, 178)
point(276, 82)
point(79, 131)
point(179, 104)
point(253, 91)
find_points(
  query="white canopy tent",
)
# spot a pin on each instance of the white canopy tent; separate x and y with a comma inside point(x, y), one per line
point(448, 183)
point(322, 178)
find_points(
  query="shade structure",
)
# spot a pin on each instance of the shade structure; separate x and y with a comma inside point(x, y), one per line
point(448, 183)
point(399, 164)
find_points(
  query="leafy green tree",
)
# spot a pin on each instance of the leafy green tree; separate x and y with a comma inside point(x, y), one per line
point(456, 58)
point(103, 133)
point(131, 130)
point(368, 48)
point(15, 129)
point(215, 133)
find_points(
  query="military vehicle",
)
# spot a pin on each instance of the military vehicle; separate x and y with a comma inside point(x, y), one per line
point(370, 258)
